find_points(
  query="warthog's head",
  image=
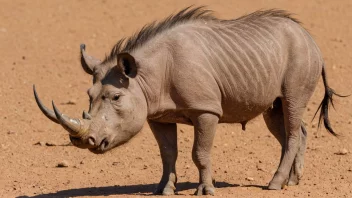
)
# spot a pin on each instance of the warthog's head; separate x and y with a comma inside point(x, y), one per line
point(118, 107)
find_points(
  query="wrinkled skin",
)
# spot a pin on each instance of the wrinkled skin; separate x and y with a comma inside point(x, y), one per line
point(171, 79)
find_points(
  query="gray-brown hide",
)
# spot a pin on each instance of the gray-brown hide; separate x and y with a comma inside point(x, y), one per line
point(195, 69)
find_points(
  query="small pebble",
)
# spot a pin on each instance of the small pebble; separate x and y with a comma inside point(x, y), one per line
point(50, 144)
point(342, 152)
point(260, 168)
point(249, 178)
point(62, 164)
point(69, 102)
point(11, 132)
point(40, 143)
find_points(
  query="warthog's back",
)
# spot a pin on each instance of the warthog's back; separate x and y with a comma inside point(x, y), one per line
point(237, 68)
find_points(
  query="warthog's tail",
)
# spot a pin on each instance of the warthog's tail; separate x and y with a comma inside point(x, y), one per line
point(324, 105)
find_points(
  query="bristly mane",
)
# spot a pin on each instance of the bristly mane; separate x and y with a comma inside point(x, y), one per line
point(269, 13)
point(185, 15)
point(154, 28)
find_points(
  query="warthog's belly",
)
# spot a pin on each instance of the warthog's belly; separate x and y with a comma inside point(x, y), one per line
point(236, 111)
point(172, 116)
point(232, 114)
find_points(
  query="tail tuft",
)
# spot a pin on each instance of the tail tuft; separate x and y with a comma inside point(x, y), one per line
point(324, 105)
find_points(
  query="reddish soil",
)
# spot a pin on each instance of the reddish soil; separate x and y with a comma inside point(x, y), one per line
point(39, 44)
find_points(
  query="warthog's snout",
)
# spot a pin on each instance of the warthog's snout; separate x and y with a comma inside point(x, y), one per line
point(95, 145)
point(99, 146)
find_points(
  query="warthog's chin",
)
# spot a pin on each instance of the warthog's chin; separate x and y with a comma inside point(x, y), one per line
point(98, 150)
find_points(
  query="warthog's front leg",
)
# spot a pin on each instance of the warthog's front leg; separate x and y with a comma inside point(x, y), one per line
point(166, 136)
point(204, 131)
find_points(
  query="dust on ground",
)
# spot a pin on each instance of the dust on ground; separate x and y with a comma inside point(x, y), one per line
point(39, 44)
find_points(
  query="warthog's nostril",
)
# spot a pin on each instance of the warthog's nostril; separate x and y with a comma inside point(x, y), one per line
point(104, 144)
point(91, 141)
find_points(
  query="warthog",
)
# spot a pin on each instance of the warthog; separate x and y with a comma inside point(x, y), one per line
point(196, 69)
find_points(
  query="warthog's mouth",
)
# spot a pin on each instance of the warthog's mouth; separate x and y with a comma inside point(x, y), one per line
point(102, 148)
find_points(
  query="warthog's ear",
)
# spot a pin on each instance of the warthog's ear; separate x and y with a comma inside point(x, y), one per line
point(88, 62)
point(127, 64)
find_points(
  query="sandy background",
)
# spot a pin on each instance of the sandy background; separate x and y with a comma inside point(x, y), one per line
point(39, 44)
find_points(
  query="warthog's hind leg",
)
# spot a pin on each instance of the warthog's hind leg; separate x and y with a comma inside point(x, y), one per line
point(275, 121)
point(166, 136)
point(293, 106)
point(297, 167)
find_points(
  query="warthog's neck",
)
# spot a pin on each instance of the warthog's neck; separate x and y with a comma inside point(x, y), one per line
point(154, 78)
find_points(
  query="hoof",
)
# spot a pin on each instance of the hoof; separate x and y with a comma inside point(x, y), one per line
point(205, 189)
point(165, 191)
point(273, 186)
point(168, 189)
point(293, 180)
point(277, 183)
point(295, 174)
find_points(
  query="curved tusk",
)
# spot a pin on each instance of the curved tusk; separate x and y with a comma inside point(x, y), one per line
point(86, 116)
point(73, 126)
point(47, 112)
point(88, 62)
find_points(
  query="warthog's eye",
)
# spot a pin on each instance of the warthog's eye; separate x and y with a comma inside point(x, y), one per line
point(103, 97)
point(115, 98)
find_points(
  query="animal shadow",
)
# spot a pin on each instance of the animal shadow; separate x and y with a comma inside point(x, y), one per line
point(141, 189)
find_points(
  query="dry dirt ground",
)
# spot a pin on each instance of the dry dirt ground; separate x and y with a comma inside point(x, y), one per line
point(39, 44)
